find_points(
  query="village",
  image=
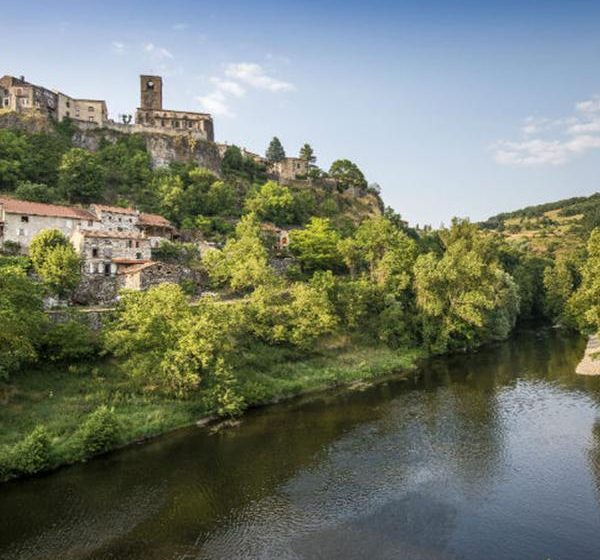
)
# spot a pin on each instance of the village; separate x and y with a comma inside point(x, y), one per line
point(116, 244)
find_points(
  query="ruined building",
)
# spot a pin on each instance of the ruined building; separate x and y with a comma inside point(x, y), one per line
point(151, 112)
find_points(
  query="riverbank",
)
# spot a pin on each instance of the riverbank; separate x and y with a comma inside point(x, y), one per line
point(61, 398)
point(590, 364)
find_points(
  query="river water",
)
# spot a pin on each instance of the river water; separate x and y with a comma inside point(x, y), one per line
point(494, 455)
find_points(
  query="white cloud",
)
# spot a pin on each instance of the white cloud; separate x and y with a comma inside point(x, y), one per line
point(118, 47)
point(227, 86)
point(216, 103)
point(255, 76)
point(158, 53)
point(180, 26)
point(554, 141)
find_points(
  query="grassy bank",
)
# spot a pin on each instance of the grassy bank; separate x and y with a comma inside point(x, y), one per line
point(61, 399)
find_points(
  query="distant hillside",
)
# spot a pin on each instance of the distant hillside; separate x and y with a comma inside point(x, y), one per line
point(550, 228)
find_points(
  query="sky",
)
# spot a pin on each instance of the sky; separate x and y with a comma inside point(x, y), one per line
point(456, 108)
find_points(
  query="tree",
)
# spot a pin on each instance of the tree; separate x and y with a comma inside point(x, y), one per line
point(348, 175)
point(275, 151)
point(316, 246)
point(464, 296)
point(559, 284)
point(55, 261)
point(13, 147)
point(272, 202)
point(584, 304)
point(169, 346)
point(243, 262)
point(35, 192)
point(307, 154)
point(22, 318)
point(81, 177)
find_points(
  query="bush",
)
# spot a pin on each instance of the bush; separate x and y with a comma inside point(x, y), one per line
point(69, 341)
point(11, 248)
point(33, 453)
point(100, 431)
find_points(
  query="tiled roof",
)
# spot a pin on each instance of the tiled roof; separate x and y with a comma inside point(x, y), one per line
point(14, 206)
point(112, 234)
point(154, 220)
point(113, 209)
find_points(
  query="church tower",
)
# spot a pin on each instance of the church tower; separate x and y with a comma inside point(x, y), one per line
point(151, 92)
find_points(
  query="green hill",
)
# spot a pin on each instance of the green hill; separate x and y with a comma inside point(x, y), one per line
point(550, 228)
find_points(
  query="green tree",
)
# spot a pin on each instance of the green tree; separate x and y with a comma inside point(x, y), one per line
point(348, 175)
point(55, 261)
point(81, 176)
point(559, 284)
point(272, 202)
point(13, 147)
point(275, 151)
point(243, 262)
point(36, 192)
point(307, 154)
point(584, 304)
point(465, 298)
point(317, 246)
point(22, 318)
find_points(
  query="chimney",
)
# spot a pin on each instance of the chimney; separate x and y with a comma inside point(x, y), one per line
point(22, 78)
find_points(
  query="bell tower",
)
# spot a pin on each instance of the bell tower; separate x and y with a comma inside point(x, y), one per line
point(151, 92)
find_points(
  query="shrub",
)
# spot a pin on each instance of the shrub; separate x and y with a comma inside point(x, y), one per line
point(69, 341)
point(33, 453)
point(100, 431)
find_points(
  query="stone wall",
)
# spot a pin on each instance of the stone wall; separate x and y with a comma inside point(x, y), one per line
point(164, 146)
point(96, 290)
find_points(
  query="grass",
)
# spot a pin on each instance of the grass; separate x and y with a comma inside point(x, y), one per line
point(61, 398)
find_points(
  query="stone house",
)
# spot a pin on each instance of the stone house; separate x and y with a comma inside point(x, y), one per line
point(20, 96)
point(109, 252)
point(280, 237)
point(115, 218)
point(151, 113)
point(87, 110)
point(289, 169)
point(21, 220)
point(156, 228)
point(146, 275)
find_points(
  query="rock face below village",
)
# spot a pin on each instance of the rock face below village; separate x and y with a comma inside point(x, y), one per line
point(163, 148)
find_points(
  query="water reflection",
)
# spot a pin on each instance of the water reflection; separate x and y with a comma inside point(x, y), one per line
point(486, 455)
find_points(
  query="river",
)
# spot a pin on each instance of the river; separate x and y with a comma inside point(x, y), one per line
point(489, 455)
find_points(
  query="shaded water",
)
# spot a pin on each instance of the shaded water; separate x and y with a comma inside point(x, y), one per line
point(491, 455)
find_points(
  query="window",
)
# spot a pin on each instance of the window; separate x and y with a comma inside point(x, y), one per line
point(25, 219)
point(68, 114)
point(91, 109)
point(95, 252)
point(21, 231)
point(68, 103)
point(119, 219)
point(137, 244)
point(107, 269)
point(90, 223)
point(91, 119)
point(190, 124)
point(138, 256)
point(129, 244)
point(150, 85)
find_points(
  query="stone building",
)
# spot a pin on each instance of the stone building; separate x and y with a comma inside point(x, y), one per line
point(21, 220)
point(289, 169)
point(144, 276)
point(115, 218)
point(109, 252)
point(20, 96)
point(86, 110)
point(152, 114)
point(156, 228)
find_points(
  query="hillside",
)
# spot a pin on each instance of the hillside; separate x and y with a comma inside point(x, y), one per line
point(551, 228)
point(193, 183)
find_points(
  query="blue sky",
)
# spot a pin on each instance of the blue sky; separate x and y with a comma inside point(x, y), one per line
point(454, 108)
